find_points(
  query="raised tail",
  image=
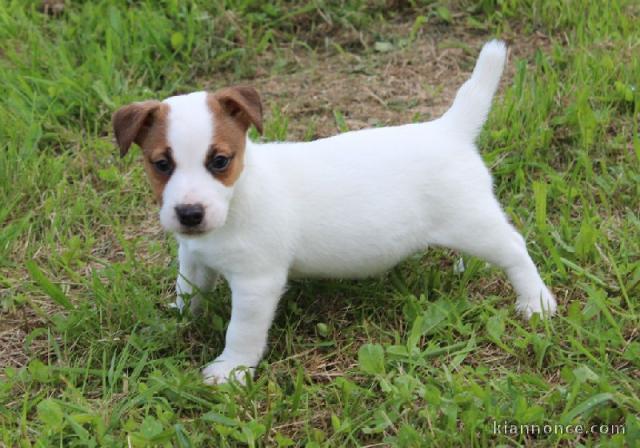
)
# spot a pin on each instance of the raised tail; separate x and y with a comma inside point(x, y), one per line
point(471, 106)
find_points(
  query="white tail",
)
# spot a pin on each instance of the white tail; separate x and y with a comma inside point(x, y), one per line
point(473, 101)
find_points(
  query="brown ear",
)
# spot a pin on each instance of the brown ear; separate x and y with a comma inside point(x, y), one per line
point(243, 104)
point(132, 122)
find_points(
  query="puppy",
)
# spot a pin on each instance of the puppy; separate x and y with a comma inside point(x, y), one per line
point(348, 206)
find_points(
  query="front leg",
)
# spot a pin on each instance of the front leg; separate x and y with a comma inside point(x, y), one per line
point(193, 280)
point(253, 303)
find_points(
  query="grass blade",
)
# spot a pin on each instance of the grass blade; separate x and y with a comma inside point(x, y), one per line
point(48, 287)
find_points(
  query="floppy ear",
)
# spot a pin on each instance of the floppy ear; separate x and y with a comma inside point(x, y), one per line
point(243, 104)
point(132, 122)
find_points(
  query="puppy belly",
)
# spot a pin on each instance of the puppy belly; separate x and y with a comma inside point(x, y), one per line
point(348, 265)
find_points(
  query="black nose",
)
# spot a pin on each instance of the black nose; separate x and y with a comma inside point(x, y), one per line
point(190, 215)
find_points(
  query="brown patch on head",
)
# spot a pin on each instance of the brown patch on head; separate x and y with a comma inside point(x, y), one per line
point(145, 124)
point(234, 109)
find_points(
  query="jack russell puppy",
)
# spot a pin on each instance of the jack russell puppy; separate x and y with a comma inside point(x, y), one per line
point(348, 206)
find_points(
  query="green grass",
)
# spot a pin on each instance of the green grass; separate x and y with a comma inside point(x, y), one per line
point(422, 356)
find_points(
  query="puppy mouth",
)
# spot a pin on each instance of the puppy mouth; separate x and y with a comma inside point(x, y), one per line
point(192, 231)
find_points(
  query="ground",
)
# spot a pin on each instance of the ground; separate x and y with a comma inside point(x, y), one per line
point(428, 354)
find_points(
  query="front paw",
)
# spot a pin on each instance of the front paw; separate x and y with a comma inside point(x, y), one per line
point(178, 304)
point(221, 371)
point(541, 302)
point(195, 306)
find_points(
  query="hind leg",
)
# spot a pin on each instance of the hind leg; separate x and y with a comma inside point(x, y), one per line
point(482, 230)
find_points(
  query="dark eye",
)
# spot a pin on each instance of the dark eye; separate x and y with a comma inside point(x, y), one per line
point(165, 166)
point(218, 163)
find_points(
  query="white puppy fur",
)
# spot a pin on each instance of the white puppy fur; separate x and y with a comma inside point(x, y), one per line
point(349, 206)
